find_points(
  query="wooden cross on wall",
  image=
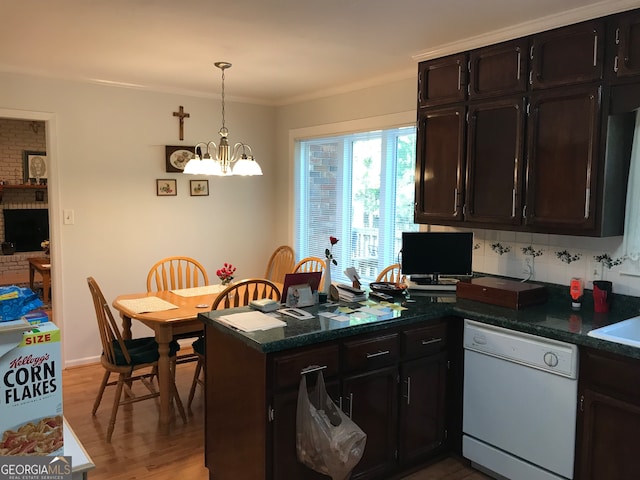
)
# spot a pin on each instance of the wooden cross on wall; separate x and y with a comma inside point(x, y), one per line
point(182, 114)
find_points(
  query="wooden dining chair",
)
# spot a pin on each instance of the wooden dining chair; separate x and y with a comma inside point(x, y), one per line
point(311, 264)
point(282, 261)
point(237, 295)
point(390, 274)
point(173, 273)
point(125, 357)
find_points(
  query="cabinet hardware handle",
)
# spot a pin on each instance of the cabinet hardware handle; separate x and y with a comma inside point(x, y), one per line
point(408, 396)
point(433, 340)
point(617, 36)
point(518, 67)
point(615, 64)
point(351, 405)
point(271, 414)
point(582, 403)
point(595, 50)
point(312, 368)
point(459, 76)
point(455, 200)
point(513, 202)
point(586, 203)
point(531, 77)
point(378, 353)
point(524, 212)
point(531, 52)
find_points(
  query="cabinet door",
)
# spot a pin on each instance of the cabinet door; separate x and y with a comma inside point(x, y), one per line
point(494, 162)
point(440, 165)
point(422, 407)
point(627, 60)
point(562, 159)
point(498, 70)
point(567, 55)
point(608, 444)
point(285, 464)
point(370, 399)
point(442, 81)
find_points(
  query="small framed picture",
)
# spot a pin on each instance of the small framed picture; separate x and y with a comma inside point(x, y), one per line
point(166, 187)
point(35, 167)
point(199, 188)
point(176, 157)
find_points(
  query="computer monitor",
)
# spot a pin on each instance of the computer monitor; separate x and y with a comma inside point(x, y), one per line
point(431, 254)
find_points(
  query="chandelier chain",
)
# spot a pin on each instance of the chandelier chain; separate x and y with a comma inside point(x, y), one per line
point(223, 126)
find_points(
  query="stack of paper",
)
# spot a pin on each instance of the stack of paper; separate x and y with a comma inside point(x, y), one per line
point(350, 294)
point(251, 321)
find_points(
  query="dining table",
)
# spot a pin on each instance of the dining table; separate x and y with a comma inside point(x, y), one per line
point(167, 313)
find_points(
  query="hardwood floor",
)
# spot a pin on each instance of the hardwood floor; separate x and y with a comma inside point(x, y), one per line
point(137, 451)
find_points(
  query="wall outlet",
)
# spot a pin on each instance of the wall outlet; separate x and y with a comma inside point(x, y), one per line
point(594, 271)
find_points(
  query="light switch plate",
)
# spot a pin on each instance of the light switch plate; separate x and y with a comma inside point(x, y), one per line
point(68, 217)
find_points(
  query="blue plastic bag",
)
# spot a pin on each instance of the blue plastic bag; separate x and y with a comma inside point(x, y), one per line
point(16, 301)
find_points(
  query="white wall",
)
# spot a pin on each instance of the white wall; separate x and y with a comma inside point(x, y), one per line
point(106, 146)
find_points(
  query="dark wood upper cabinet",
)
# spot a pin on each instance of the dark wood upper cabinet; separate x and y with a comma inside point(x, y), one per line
point(499, 69)
point(439, 174)
point(495, 162)
point(562, 159)
point(442, 81)
point(627, 39)
point(567, 55)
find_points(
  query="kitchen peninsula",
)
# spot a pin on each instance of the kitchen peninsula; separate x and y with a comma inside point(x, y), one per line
point(252, 379)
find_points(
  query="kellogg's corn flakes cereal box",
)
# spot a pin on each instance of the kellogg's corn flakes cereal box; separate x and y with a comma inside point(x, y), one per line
point(31, 392)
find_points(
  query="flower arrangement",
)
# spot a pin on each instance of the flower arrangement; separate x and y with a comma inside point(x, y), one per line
point(225, 274)
point(46, 246)
point(329, 252)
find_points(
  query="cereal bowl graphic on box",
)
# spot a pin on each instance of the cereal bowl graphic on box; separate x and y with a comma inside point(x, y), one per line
point(31, 393)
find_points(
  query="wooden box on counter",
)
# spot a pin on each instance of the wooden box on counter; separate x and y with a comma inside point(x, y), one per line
point(502, 292)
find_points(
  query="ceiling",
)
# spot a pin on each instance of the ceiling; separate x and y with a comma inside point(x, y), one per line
point(281, 50)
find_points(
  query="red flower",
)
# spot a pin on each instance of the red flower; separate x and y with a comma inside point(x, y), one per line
point(226, 272)
point(329, 253)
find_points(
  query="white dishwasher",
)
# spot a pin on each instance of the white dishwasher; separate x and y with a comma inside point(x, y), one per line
point(519, 403)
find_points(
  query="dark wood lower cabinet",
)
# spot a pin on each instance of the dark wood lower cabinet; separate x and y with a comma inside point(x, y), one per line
point(393, 384)
point(371, 400)
point(608, 417)
point(422, 408)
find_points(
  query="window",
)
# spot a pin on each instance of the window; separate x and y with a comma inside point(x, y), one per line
point(359, 188)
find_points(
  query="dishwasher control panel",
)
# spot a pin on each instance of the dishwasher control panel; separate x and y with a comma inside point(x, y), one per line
point(523, 348)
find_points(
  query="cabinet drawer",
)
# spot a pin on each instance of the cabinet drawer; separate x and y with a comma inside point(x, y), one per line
point(288, 368)
point(611, 373)
point(425, 340)
point(371, 353)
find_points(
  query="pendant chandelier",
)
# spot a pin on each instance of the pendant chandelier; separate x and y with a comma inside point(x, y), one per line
point(212, 159)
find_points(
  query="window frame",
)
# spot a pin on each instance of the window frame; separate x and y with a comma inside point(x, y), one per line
point(354, 127)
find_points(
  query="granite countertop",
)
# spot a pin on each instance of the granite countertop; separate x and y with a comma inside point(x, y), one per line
point(553, 319)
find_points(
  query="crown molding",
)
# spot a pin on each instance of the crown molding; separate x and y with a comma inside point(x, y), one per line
point(549, 22)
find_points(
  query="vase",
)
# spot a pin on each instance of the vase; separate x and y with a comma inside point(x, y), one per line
point(326, 286)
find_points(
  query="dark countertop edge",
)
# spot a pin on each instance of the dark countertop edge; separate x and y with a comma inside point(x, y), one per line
point(313, 338)
point(525, 320)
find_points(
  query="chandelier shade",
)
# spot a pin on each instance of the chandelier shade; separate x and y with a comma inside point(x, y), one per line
point(221, 159)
